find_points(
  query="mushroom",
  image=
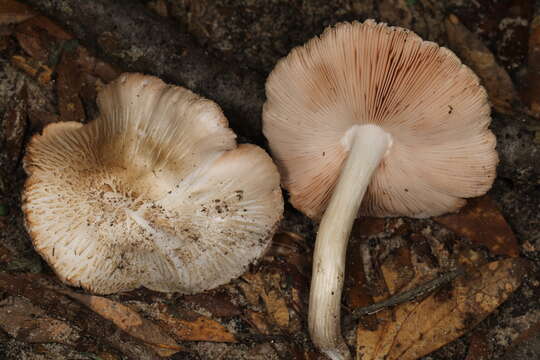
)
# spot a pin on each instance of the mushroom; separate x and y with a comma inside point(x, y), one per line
point(154, 192)
point(369, 119)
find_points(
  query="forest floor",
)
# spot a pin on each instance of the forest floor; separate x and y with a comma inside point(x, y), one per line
point(56, 55)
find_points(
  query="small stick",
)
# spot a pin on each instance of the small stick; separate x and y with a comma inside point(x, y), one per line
point(408, 295)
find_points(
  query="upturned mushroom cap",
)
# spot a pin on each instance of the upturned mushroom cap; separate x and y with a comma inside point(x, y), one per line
point(154, 192)
point(421, 94)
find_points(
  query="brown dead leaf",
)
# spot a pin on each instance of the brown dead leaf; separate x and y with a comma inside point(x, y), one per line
point(191, 327)
point(13, 12)
point(417, 328)
point(42, 291)
point(129, 321)
point(475, 54)
point(26, 322)
point(266, 287)
point(482, 223)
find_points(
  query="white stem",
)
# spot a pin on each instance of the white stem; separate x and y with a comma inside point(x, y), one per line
point(368, 144)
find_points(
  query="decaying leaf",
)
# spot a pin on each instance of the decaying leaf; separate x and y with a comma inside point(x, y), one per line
point(26, 322)
point(189, 326)
point(414, 329)
point(130, 321)
point(266, 287)
point(475, 54)
point(482, 223)
point(13, 12)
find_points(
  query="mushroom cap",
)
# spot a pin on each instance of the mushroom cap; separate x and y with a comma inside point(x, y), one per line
point(154, 192)
point(369, 73)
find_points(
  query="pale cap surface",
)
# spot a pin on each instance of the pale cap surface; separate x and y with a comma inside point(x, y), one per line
point(154, 192)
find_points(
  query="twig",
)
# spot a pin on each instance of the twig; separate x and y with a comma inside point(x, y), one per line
point(127, 33)
point(409, 294)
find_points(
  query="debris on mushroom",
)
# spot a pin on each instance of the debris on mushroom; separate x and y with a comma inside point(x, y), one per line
point(369, 119)
point(155, 192)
